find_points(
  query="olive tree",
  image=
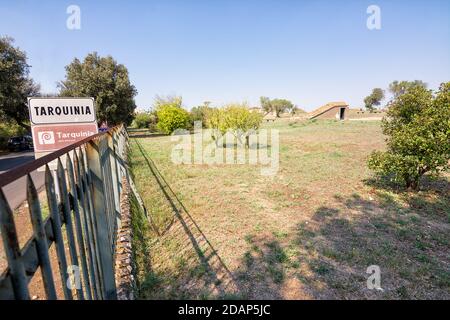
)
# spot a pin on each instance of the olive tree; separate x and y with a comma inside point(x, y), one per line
point(276, 106)
point(234, 118)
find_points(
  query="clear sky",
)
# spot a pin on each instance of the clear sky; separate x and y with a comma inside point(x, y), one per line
point(310, 52)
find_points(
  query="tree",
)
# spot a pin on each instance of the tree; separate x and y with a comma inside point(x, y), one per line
point(397, 88)
point(144, 120)
point(281, 105)
point(199, 114)
point(297, 111)
point(374, 99)
point(105, 80)
point(418, 128)
point(235, 118)
point(173, 100)
point(276, 106)
point(171, 115)
point(15, 83)
point(265, 104)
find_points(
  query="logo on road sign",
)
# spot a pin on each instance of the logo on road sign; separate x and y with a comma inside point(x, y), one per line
point(53, 137)
point(46, 137)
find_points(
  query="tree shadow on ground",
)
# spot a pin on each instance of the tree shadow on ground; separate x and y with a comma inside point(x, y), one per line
point(188, 266)
point(406, 235)
point(262, 269)
point(326, 257)
point(432, 198)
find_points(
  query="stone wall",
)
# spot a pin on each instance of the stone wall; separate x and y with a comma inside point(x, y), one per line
point(124, 266)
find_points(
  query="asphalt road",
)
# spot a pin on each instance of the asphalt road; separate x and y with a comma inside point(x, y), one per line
point(15, 192)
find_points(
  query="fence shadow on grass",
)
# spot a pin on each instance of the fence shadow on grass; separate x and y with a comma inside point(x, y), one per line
point(205, 267)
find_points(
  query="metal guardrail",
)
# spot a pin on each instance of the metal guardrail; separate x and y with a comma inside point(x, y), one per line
point(83, 200)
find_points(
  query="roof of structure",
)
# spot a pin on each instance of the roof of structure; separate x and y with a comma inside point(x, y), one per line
point(326, 107)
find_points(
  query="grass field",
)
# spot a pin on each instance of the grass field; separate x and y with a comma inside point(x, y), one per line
point(309, 232)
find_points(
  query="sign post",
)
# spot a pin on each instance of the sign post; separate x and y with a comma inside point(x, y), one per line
point(59, 122)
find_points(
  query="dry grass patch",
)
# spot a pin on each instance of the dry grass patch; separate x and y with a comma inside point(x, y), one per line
point(309, 232)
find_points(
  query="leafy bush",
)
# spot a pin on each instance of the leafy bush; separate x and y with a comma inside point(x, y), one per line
point(172, 117)
point(417, 124)
point(9, 130)
point(199, 114)
point(236, 118)
point(144, 120)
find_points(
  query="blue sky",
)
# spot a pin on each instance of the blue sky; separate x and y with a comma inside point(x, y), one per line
point(310, 52)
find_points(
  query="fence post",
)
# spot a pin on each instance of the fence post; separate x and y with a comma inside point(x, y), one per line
point(12, 250)
point(116, 182)
point(99, 202)
point(41, 239)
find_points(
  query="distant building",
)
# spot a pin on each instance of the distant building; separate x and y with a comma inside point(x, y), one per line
point(332, 110)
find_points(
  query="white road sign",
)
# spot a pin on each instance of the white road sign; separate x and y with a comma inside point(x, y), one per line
point(61, 110)
point(59, 122)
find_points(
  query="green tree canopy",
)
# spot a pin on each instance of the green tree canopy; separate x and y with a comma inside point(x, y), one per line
point(397, 88)
point(236, 118)
point(171, 116)
point(105, 80)
point(144, 120)
point(276, 106)
point(200, 113)
point(15, 83)
point(265, 104)
point(418, 128)
point(374, 99)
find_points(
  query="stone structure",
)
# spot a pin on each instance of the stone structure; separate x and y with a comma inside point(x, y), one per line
point(332, 110)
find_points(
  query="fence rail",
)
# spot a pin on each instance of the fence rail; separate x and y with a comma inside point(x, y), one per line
point(83, 183)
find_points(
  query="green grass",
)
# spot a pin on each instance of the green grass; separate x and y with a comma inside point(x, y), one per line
point(320, 221)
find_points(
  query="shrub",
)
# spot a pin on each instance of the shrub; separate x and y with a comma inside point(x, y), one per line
point(172, 117)
point(143, 120)
point(236, 118)
point(8, 130)
point(199, 114)
point(417, 124)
